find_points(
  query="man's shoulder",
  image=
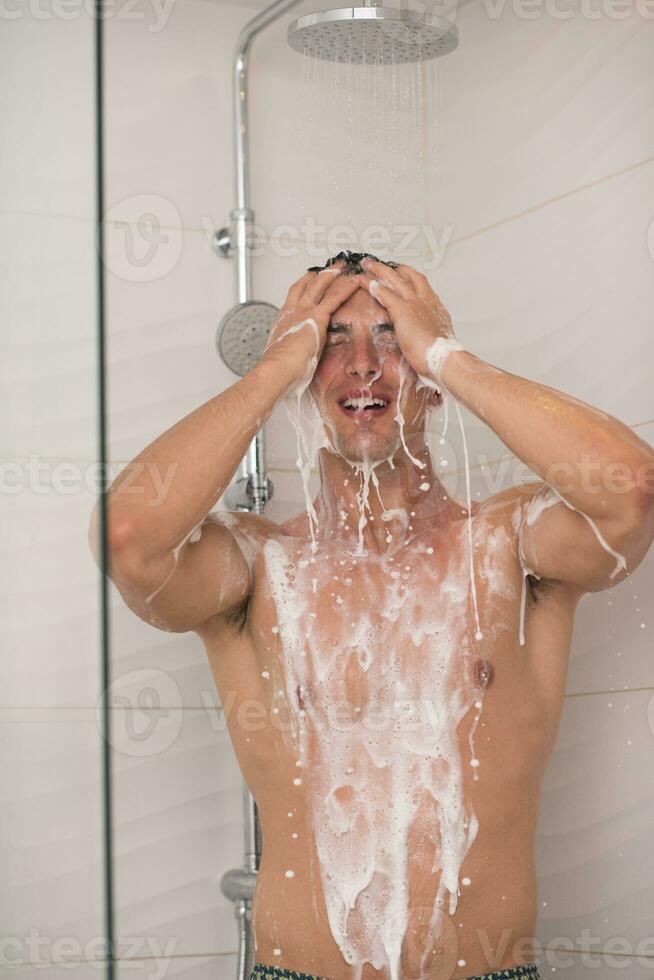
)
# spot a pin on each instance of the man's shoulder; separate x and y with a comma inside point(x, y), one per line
point(501, 513)
point(507, 503)
point(241, 522)
point(507, 509)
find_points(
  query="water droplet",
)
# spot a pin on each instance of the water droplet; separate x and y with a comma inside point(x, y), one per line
point(289, 874)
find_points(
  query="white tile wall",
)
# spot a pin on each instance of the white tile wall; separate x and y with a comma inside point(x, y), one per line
point(596, 816)
point(48, 343)
point(219, 967)
point(50, 832)
point(51, 886)
point(49, 591)
point(82, 970)
point(178, 813)
point(161, 345)
point(540, 176)
point(46, 80)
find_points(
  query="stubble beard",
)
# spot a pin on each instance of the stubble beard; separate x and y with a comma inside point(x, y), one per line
point(364, 445)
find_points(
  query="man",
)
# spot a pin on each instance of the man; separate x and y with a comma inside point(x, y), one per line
point(405, 655)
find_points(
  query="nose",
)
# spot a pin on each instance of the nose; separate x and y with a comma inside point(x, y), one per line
point(364, 360)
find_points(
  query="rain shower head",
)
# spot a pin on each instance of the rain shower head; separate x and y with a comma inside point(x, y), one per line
point(242, 335)
point(373, 35)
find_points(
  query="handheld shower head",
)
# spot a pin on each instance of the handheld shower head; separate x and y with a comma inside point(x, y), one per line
point(373, 35)
point(242, 334)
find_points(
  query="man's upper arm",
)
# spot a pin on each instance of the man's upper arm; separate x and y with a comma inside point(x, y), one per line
point(208, 577)
point(558, 542)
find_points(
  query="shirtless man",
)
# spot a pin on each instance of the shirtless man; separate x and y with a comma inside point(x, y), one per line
point(392, 663)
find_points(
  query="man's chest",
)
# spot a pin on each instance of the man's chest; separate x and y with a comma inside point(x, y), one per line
point(424, 595)
point(341, 632)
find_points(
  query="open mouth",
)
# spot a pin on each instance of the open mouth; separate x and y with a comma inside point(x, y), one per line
point(365, 406)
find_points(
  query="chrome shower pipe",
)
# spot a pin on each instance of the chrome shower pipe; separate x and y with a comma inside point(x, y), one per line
point(252, 472)
point(238, 884)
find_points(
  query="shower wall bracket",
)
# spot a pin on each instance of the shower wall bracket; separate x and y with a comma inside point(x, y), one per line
point(222, 243)
point(234, 238)
point(249, 494)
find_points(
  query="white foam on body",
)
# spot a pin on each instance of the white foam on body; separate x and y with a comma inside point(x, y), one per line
point(375, 775)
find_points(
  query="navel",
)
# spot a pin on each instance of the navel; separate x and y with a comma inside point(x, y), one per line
point(484, 673)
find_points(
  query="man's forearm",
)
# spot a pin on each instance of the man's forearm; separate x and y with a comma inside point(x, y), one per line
point(593, 460)
point(172, 485)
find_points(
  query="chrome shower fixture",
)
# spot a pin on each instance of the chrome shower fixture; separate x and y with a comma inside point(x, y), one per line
point(243, 333)
point(373, 35)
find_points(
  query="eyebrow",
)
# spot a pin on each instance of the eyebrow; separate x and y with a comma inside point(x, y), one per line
point(348, 326)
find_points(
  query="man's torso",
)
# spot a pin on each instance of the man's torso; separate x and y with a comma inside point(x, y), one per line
point(395, 758)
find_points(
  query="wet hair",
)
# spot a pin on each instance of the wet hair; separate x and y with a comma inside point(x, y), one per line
point(352, 261)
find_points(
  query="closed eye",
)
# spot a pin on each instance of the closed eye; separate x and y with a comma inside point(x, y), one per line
point(334, 331)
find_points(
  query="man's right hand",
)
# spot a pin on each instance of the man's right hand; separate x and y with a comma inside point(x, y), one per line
point(294, 340)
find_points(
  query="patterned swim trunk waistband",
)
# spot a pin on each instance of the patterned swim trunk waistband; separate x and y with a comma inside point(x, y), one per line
point(527, 971)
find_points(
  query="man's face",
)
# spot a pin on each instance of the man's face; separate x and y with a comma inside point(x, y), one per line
point(361, 358)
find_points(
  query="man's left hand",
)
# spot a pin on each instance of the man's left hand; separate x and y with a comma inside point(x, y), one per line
point(418, 315)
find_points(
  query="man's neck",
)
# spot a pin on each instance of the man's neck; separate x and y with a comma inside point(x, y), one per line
point(402, 498)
